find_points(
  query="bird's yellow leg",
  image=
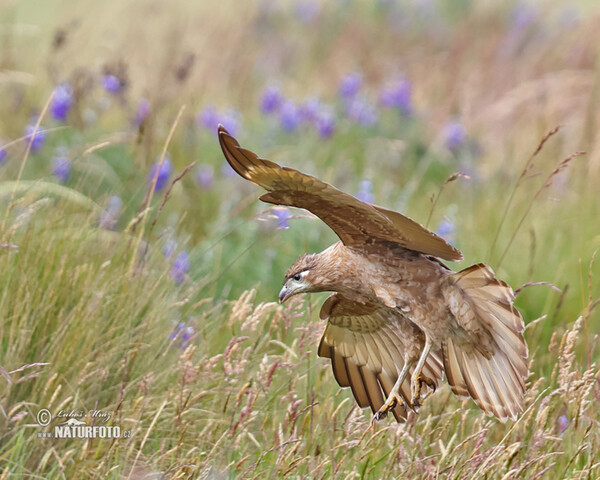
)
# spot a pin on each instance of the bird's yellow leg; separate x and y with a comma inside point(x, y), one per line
point(395, 396)
point(418, 379)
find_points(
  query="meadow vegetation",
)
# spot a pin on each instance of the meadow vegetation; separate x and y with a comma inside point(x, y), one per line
point(140, 274)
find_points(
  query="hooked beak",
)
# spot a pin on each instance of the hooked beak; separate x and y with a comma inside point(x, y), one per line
point(284, 294)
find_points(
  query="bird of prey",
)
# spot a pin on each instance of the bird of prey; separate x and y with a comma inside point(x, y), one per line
point(398, 318)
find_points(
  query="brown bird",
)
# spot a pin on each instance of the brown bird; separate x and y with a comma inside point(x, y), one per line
point(397, 311)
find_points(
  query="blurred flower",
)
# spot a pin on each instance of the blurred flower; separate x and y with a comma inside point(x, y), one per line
point(282, 215)
point(163, 174)
point(111, 83)
point(37, 139)
point(289, 118)
point(176, 331)
point(110, 215)
point(350, 85)
point(61, 102)
point(446, 230)
point(309, 109)
point(61, 167)
point(325, 123)
point(143, 107)
point(183, 332)
point(3, 154)
point(210, 118)
point(180, 268)
point(398, 95)
point(563, 423)
point(361, 112)
point(306, 10)
point(205, 175)
point(169, 248)
point(271, 100)
point(455, 135)
point(365, 192)
point(230, 119)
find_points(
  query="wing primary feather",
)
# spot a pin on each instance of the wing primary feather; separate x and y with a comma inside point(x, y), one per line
point(229, 145)
point(356, 384)
point(340, 371)
point(372, 388)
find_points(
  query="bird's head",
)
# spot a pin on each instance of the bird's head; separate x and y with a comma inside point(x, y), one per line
point(300, 278)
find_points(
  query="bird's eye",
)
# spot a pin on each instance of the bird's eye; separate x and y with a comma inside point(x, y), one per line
point(297, 277)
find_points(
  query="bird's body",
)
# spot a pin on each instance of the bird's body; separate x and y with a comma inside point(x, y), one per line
point(398, 316)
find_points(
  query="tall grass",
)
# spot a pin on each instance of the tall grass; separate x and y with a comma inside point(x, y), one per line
point(212, 378)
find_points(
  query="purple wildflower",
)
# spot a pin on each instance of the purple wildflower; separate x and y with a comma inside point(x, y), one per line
point(398, 96)
point(205, 175)
point(290, 118)
point(365, 192)
point(3, 155)
point(563, 423)
point(309, 109)
point(325, 123)
point(62, 102)
point(110, 215)
point(183, 332)
point(163, 174)
point(180, 268)
point(361, 112)
point(61, 167)
point(36, 138)
point(271, 100)
point(208, 117)
point(230, 119)
point(187, 334)
point(282, 215)
point(446, 230)
point(143, 108)
point(111, 83)
point(350, 85)
point(180, 326)
point(455, 135)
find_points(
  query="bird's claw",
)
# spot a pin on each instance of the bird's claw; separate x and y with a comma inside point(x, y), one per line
point(392, 402)
point(416, 387)
point(387, 407)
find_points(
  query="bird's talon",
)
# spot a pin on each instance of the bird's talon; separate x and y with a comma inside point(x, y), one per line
point(429, 382)
point(417, 386)
point(378, 416)
point(387, 407)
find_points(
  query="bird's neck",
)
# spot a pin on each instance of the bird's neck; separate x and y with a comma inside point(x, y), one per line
point(338, 271)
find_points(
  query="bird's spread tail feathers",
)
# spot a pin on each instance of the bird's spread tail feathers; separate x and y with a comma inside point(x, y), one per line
point(493, 370)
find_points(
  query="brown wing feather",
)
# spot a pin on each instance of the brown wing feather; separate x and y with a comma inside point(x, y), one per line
point(356, 223)
point(494, 376)
point(366, 351)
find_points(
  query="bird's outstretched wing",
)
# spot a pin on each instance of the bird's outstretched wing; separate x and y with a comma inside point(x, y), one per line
point(366, 347)
point(356, 223)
